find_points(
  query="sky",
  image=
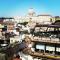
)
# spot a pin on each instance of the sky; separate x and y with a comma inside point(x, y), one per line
point(21, 7)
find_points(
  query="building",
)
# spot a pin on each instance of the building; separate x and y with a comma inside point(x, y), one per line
point(57, 17)
point(44, 18)
point(31, 16)
point(10, 25)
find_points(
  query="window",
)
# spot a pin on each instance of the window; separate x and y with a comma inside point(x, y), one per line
point(40, 47)
point(50, 48)
point(58, 49)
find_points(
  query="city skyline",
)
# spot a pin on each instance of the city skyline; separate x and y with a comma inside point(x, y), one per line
point(20, 7)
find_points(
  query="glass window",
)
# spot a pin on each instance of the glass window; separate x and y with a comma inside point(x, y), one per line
point(50, 48)
point(40, 47)
point(58, 49)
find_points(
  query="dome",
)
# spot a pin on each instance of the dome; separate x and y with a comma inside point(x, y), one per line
point(31, 12)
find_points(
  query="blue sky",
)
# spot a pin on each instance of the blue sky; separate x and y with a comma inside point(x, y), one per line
point(20, 7)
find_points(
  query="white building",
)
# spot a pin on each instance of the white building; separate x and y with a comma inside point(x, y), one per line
point(33, 17)
point(44, 18)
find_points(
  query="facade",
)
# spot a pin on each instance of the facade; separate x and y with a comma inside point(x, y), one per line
point(37, 19)
point(31, 16)
point(44, 18)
